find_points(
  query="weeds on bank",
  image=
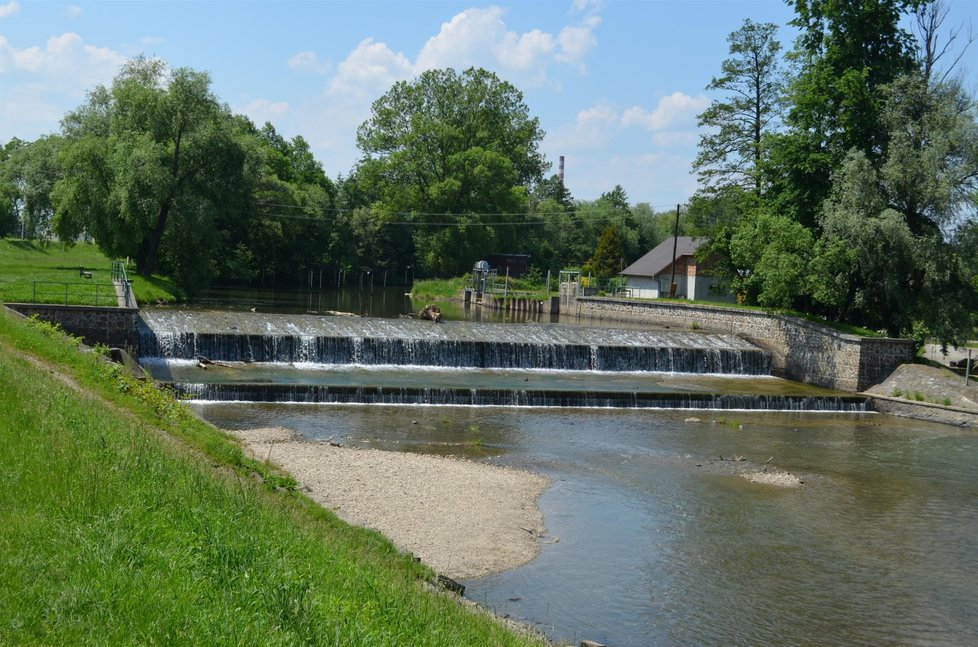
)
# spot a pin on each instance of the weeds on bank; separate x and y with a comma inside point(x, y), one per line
point(115, 533)
point(920, 397)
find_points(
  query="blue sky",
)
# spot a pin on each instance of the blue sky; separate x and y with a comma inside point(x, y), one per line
point(616, 84)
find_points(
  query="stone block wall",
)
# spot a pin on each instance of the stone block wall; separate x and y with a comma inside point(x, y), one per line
point(97, 325)
point(800, 350)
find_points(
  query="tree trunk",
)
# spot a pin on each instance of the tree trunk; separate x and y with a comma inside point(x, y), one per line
point(146, 263)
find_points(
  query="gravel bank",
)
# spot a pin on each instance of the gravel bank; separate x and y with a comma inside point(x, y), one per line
point(462, 518)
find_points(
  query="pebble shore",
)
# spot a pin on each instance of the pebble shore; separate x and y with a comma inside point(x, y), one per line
point(462, 518)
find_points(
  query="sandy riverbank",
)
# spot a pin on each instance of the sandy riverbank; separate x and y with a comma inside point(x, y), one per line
point(462, 518)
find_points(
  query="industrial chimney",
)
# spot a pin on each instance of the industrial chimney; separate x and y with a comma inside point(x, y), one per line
point(560, 171)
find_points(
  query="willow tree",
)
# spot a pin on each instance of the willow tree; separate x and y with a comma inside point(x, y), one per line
point(151, 165)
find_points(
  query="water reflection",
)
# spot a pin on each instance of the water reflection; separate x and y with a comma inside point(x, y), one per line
point(661, 542)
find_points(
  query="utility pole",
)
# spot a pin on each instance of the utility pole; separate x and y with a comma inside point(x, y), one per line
point(675, 242)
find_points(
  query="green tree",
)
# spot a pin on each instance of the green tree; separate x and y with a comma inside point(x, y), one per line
point(152, 165)
point(886, 259)
point(768, 256)
point(608, 259)
point(732, 151)
point(845, 54)
point(443, 150)
point(27, 179)
point(10, 195)
point(289, 229)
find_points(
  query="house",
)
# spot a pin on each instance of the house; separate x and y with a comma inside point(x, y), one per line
point(651, 275)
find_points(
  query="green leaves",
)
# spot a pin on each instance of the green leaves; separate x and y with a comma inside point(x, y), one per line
point(438, 151)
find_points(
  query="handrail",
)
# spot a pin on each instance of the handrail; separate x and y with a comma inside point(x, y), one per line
point(120, 277)
point(82, 290)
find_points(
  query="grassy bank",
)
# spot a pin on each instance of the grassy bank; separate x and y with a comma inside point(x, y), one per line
point(452, 288)
point(129, 521)
point(31, 271)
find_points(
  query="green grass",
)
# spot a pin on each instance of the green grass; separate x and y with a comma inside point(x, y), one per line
point(452, 288)
point(440, 288)
point(126, 520)
point(35, 272)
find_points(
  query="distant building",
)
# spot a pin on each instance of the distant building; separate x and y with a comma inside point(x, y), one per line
point(516, 264)
point(649, 277)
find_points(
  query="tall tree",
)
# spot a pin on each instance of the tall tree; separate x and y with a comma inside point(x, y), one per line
point(151, 164)
point(845, 53)
point(732, 150)
point(938, 54)
point(444, 149)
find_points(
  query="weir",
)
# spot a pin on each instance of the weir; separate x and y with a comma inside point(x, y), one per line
point(233, 337)
point(316, 393)
point(311, 359)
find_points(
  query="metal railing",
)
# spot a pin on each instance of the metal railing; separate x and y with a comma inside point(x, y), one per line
point(69, 293)
point(120, 278)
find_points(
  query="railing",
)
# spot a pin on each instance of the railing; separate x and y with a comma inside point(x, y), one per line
point(67, 293)
point(120, 278)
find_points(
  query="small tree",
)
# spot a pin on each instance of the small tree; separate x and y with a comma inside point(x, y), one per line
point(608, 258)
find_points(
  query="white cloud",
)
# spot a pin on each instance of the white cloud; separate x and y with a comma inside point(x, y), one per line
point(594, 126)
point(674, 109)
point(40, 84)
point(262, 110)
point(587, 6)
point(308, 62)
point(467, 37)
point(27, 109)
point(369, 69)
point(9, 9)
point(480, 37)
point(73, 11)
point(524, 52)
point(65, 57)
point(578, 41)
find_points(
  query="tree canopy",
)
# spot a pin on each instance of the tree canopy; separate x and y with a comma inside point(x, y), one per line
point(151, 165)
point(441, 153)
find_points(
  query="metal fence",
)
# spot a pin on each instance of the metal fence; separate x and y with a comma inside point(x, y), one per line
point(74, 293)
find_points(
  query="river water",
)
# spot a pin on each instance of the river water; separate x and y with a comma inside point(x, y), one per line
point(656, 535)
point(653, 540)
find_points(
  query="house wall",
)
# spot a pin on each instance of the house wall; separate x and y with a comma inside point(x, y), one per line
point(643, 287)
point(800, 350)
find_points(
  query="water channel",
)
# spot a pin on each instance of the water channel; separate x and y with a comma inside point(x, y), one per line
point(657, 531)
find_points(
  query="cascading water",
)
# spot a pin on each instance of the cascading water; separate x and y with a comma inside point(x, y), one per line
point(269, 338)
point(474, 355)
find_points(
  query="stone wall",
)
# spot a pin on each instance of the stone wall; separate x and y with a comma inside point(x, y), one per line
point(97, 325)
point(800, 350)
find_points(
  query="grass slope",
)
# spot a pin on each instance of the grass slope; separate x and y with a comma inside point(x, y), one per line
point(31, 271)
point(128, 521)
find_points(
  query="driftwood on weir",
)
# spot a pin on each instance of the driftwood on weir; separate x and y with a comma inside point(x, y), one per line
point(203, 363)
point(431, 312)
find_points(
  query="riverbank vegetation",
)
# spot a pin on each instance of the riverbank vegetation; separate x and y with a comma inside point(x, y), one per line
point(837, 178)
point(127, 520)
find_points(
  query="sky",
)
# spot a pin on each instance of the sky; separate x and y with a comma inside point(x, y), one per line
point(616, 84)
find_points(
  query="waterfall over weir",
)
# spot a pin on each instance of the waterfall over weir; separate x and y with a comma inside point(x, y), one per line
point(309, 359)
point(307, 393)
point(236, 337)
